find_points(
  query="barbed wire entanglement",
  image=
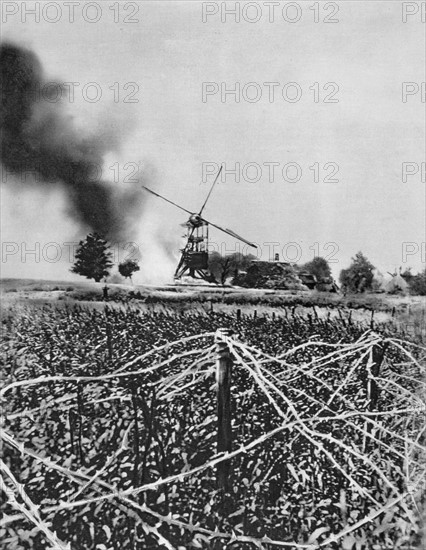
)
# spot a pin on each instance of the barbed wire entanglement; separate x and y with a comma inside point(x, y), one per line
point(110, 434)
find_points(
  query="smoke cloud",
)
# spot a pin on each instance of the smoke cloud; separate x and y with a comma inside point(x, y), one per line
point(37, 137)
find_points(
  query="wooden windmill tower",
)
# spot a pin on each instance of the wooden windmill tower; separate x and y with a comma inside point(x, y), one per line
point(194, 259)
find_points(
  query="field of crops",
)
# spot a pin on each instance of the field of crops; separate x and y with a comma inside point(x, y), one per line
point(110, 427)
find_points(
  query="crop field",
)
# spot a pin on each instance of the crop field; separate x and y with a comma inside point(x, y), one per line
point(110, 432)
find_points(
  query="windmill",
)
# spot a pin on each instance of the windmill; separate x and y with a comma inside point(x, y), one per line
point(194, 256)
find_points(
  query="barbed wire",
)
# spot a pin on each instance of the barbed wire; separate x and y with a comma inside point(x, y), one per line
point(275, 379)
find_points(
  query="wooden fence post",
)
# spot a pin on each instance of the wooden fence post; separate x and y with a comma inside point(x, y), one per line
point(80, 409)
point(224, 430)
point(378, 354)
point(109, 339)
point(372, 320)
point(373, 393)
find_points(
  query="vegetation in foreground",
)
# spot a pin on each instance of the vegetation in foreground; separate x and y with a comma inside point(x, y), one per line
point(115, 443)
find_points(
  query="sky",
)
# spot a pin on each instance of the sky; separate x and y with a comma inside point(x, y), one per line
point(334, 122)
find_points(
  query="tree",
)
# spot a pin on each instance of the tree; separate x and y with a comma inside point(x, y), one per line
point(407, 275)
point(93, 258)
point(223, 267)
point(127, 268)
point(418, 284)
point(359, 275)
point(318, 267)
point(219, 266)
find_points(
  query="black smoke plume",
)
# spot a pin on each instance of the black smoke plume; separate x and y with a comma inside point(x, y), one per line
point(36, 137)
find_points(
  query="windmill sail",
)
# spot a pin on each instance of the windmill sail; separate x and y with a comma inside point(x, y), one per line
point(167, 200)
point(232, 233)
point(210, 192)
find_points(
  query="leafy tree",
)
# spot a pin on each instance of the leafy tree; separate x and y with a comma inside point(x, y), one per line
point(418, 284)
point(223, 267)
point(93, 258)
point(407, 275)
point(127, 268)
point(318, 267)
point(359, 275)
point(219, 266)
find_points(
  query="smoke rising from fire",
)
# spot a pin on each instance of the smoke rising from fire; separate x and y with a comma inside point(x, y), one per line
point(38, 138)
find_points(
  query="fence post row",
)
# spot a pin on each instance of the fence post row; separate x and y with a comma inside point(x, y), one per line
point(224, 430)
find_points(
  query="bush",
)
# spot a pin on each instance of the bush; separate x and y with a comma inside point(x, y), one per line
point(359, 275)
point(418, 284)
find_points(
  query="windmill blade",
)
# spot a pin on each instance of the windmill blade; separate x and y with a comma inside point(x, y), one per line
point(211, 189)
point(167, 200)
point(232, 233)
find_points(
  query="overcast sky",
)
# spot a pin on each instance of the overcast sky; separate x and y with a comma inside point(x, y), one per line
point(364, 133)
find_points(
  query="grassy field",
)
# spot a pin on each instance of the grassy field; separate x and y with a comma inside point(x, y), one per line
point(407, 314)
point(110, 422)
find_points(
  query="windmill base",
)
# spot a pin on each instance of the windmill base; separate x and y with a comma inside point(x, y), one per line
point(197, 274)
point(194, 264)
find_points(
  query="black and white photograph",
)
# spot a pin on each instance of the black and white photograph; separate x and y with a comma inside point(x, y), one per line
point(213, 275)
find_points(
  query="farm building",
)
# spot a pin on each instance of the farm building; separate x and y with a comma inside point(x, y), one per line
point(279, 275)
point(392, 283)
point(327, 284)
point(308, 279)
point(282, 276)
point(397, 285)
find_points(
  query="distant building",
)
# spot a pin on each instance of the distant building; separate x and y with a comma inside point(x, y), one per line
point(397, 285)
point(273, 275)
point(281, 276)
point(308, 279)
